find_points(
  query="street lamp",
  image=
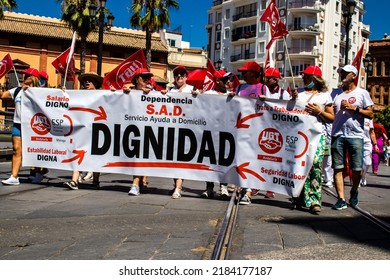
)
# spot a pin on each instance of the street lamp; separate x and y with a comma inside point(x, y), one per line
point(351, 5)
point(368, 64)
point(218, 64)
point(93, 9)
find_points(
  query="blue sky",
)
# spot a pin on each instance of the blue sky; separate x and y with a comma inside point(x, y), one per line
point(192, 15)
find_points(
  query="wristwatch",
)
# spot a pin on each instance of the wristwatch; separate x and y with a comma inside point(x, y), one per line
point(357, 110)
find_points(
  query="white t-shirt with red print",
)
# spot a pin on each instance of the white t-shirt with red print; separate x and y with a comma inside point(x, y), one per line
point(348, 123)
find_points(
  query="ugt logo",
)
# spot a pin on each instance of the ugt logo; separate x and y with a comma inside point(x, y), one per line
point(40, 124)
point(270, 141)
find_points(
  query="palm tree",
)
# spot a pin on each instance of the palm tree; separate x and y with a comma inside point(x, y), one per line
point(7, 5)
point(75, 14)
point(151, 16)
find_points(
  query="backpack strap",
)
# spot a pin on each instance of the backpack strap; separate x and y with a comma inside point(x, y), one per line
point(17, 90)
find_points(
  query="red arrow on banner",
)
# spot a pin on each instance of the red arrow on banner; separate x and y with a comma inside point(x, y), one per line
point(79, 156)
point(101, 114)
point(241, 169)
point(240, 121)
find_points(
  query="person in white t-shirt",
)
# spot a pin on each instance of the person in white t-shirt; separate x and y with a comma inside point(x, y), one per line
point(352, 107)
point(272, 76)
point(31, 79)
point(221, 79)
point(369, 143)
point(180, 75)
point(318, 103)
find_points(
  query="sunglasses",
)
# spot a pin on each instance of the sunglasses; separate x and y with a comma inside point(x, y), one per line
point(182, 74)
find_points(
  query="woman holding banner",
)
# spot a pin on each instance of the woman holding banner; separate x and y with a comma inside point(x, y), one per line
point(88, 81)
point(142, 80)
point(31, 79)
point(318, 103)
point(180, 75)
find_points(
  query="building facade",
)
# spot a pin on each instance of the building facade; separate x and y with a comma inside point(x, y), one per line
point(378, 79)
point(35, 41)
point(317, 35)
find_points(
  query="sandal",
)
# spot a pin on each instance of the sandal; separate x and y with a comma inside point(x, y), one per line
point(315, 209)
point(72, 185)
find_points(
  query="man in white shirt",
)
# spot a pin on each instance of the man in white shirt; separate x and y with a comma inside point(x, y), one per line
point(352, 106)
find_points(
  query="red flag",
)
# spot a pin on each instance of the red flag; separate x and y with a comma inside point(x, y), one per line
point(5, 65)
point(357, 62)
point(124, 72)
point(208, 82)
point(60, 64)
point(278, 29)
point(202, 78)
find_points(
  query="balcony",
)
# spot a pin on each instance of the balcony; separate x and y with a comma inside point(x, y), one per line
point(244, 35)
point(299, 6)
point(304, 29)
point(237, 57)
point(245, 15)
point(303, 53)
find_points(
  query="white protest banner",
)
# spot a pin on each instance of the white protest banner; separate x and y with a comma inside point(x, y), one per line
point(268, 145)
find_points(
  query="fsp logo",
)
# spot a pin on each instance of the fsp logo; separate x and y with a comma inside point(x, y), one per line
point(270, 141)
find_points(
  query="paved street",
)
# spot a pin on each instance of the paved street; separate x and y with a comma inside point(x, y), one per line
point(49, 221)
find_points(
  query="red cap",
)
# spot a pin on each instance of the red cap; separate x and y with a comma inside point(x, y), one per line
point(32, 72)
point(250, 66)
point(180, 68)
point(142, 71)
point(313, 70)
point(272, 72)
point(220, 74)
point(44, 75)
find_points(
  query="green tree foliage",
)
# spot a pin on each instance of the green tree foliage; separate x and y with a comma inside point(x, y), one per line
point(7, 5)
point(383, 118)
point(151, 16)
point(75, 14)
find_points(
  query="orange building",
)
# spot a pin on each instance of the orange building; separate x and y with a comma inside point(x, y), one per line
point(35, 41)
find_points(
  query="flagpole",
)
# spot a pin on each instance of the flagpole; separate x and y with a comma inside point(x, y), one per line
point(16, 75)
point(289, 61)
point(70, 56)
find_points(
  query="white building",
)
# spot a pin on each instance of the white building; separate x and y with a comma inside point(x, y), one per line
point(317, 36)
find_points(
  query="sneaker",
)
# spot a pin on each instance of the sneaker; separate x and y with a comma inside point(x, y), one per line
point(269, 194)
point(224, 191)
point(134, 190)
point(88, 177)
point(245, 200)
point(176, 194)
point(329, 184)
point(353, 200)
point(11, 181)
point(37, 179)
point(363, 182)
point(209, 193)
point(72, 185)
point(340, 204)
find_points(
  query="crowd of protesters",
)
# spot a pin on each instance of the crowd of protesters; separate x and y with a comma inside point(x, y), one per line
point(349, 139)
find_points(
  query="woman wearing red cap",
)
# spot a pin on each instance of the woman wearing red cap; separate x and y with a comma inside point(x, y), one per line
point(318, 103)
point(30, 80)
point(255, 89)
point(221, 78)
point(37, 173)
